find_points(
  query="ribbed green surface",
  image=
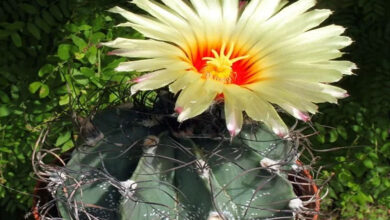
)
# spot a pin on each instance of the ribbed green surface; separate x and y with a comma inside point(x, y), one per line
point(179, 178)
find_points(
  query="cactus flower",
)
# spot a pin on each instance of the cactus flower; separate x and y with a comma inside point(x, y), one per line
point(253, 57)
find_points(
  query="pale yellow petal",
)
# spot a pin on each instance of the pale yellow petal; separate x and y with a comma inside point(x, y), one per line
point(190, 16)
point(279, 37)
point(288, 21)
point(155, 80)
point(210, 13)
point(157, 33)
point(123, 43)
point(144, 49)
point(256, 108)
point(291, 11)
point(292, 110)
point(151, 64)
point(277, 95)
point(233, 111)
point(250, 24)
point(265, 112)
point(313, 92)
point(300, 71)
point(256, 12)
point(150, 27)
point(184, 10)
point(230, 14)
point(184, 81)
point(190, 105)
point(170, 18)
point(162, 13)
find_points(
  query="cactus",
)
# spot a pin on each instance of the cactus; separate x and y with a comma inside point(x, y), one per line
point(142, 170)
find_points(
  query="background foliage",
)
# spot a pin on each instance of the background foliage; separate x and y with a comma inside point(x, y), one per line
point(361, 185)
point(52, 65)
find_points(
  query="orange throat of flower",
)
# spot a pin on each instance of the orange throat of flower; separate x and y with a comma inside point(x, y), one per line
point(220, 66)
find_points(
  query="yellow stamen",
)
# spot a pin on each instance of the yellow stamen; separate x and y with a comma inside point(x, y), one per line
point(219, 67)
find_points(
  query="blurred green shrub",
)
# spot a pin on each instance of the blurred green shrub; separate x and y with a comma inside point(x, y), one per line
point(360, 188)
point(51, 65)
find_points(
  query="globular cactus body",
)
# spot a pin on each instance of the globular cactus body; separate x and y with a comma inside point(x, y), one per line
point(137, 172)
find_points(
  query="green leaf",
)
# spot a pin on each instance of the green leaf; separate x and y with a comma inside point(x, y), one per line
point(360, 156)
point(33, 87)
point(47, 68)
point(4, 149)
point(321, 138)
point(385, 135)
point(48, 18)
point(373, 155)
point(44, 91)
point(15, 92)
point(345, 177)
point(356, 128)
point(63, 51)
point(4, 34)
point(84, 27)
point(42, 3)
point(340, 159)
point(56, 12)
point(79, 42)
point(79, 56)
point(385, 149)
point(333, 136)
point(42, 24)
point(368, 163)
point(67, 146)
point(91, 54)
point(95, 80)
point(16, 39)
point(64, 137)
point(15, 26)
point(65, 7)
point(87, 71)
point(97, 37)
point(80, 77)
point(4, 111)
point(342, 132)
point(30, 9)
point(362, 198)
point(64, 100)
point(4, 97)
point(34, 30)
point(375, 181)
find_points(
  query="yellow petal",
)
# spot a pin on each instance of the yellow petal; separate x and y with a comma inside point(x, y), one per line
point(190, 105)
point(278, 96)
point(150, 27)
point(182, 82)
point(151, 64)
point(233, 111)
point(256, 108)
point(156, 80)
point(300, 71)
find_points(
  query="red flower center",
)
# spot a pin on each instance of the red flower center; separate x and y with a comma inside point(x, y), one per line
point(227, 66)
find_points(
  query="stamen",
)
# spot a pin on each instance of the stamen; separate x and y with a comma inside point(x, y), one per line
point(219, 67)
point(230, 51)
point(239, 58)
point(216, 55)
